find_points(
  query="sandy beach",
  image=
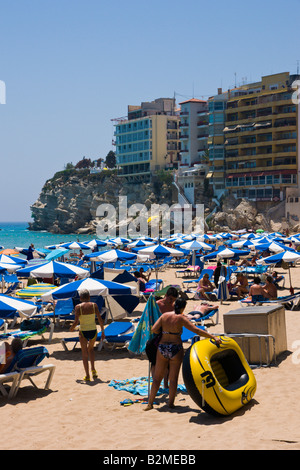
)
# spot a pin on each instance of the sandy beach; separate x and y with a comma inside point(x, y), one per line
point(78, 416)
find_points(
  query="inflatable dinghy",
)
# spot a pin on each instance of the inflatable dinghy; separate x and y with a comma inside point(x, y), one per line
point(218, 377)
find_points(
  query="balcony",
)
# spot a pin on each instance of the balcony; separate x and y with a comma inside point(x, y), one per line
point(202, 136)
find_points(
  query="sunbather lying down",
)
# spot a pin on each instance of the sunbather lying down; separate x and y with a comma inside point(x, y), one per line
point(200, 311)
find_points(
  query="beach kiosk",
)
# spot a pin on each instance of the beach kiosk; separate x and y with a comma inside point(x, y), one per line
point(260, 332)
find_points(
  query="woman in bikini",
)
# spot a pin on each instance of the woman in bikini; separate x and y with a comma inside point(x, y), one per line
point(85, 314)
point(170, 350)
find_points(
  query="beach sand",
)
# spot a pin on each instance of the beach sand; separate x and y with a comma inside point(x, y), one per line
point(74, 415)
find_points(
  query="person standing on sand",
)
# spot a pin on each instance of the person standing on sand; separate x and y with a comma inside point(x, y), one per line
point(167, 303)
point(170, 350)
point(85, 314)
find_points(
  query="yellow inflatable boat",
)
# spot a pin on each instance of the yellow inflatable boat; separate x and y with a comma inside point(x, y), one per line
point(218, 378)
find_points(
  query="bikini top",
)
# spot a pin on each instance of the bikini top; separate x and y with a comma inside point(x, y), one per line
point(171, 333)
point(87, 321)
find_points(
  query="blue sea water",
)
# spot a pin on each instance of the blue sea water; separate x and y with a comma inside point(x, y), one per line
point(16, 234)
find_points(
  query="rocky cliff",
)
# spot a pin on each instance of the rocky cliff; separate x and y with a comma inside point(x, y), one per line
point(68, 202)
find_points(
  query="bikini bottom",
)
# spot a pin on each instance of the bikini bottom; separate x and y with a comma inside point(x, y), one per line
point(169, 350)
point(89, 334)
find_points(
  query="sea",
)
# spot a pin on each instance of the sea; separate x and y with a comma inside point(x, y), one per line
point(17, 234)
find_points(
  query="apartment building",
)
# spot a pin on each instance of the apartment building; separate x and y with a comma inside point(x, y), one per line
point(261, 139)
point(147, 139)
point(216, 141)
point(193, 166)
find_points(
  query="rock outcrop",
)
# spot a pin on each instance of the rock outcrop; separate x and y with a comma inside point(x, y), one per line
point(68, 202)
point(238, 214)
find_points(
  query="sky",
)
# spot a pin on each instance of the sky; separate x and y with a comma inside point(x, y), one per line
point(71, 66)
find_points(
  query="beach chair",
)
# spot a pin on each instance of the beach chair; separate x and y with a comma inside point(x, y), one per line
point(186, 284)
point(115, 333)
point(12, 378)
point(188, 335)
point(3, 325)
point(27, 364)
point(29, 332)
point(289, 302)
point(151, 286)
point(207, 316)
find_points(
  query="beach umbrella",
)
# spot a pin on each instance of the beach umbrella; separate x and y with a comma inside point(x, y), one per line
point(9, 306)
point(74, 246)
point(243, 244)
point(195, 245)
point(206, 238)
point(174, 240)
point(112, 256)
point(285, 257)
point(140, 243)
point(41, 252)
point(272, 246)
point(12, 260)
point(56, 253)
point(53, 269)
point(160, 251)
point(97, 243)
point(10, 267)
point(94, 286)
point(225, 253)
point(120, 240)
point(248, 236)
point(9, 251)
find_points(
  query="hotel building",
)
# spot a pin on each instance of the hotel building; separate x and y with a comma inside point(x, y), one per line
point(147, 139)
point(261, 139)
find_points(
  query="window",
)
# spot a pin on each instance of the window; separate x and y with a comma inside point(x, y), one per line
point(269, 179)
point(262, 180)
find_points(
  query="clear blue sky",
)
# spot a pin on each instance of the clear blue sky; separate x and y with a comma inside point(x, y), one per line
point(70, 66)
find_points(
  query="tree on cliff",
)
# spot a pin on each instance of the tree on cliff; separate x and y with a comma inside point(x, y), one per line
point(84, 163)
point(110, 160)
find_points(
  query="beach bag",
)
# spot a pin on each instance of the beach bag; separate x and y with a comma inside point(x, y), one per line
point(35, 324)
point(151, 348)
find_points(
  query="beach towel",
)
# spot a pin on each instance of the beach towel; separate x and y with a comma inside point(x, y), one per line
point(139, 386)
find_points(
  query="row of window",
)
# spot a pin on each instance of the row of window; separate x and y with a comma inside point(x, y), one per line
point(260, 193)
point(144, 145)
point(137, 157)
point(133, 137)
point(133, 126)
point(261, 180)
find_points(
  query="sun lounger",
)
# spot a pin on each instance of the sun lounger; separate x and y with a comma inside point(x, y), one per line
point(27, 364)
point(210, 272)
point(187, 335)
point(3, 325)
point(26, 334)
point(290, 302)
point(207, 316)
point(115, 332)
point(11, 378)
